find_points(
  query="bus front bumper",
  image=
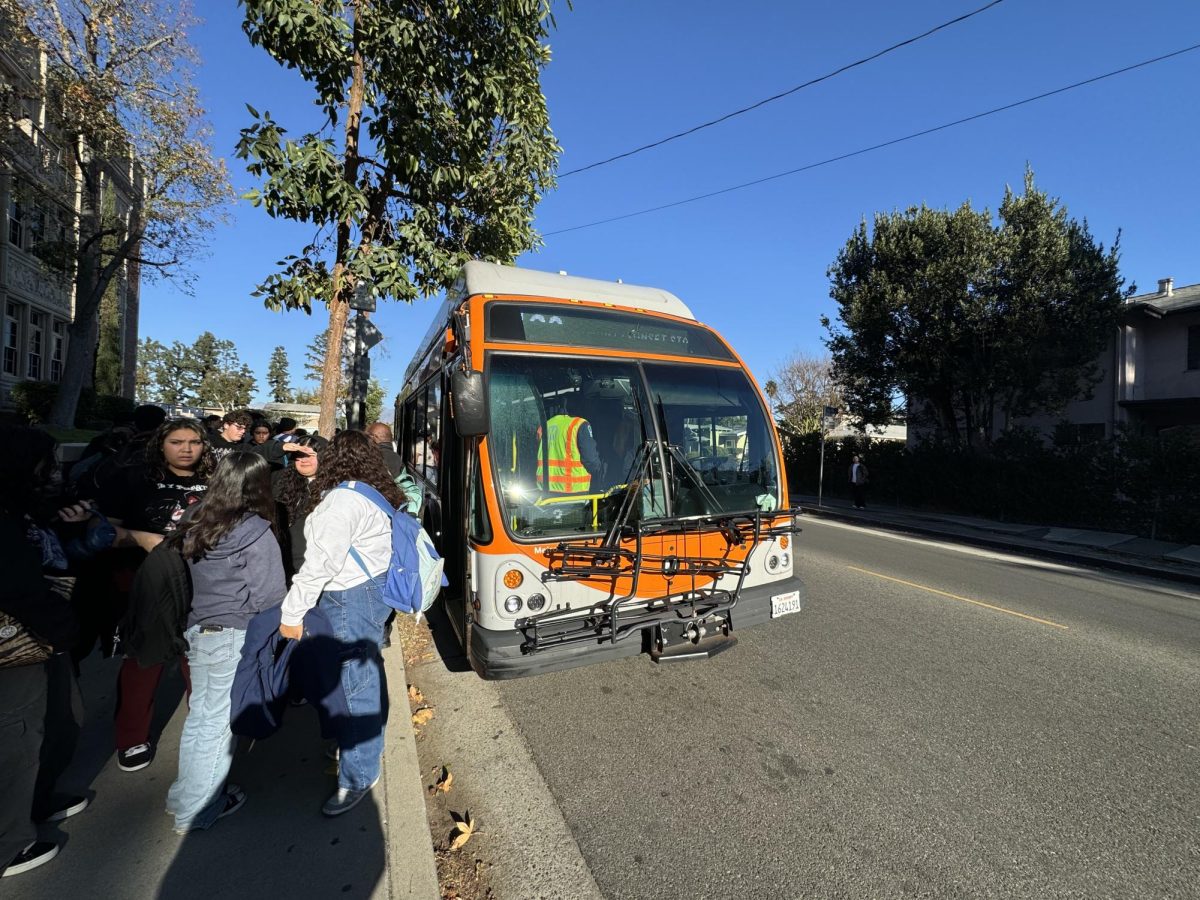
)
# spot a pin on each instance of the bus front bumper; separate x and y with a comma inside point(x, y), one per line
point(499, 654)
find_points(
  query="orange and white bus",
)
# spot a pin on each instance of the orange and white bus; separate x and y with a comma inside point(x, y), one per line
point(600, 472)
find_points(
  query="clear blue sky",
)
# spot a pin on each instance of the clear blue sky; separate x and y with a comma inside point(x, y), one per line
point(1122, 153)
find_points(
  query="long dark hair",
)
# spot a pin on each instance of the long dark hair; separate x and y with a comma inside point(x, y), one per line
point(352, 456)
point(29, 462)
point(294, 488)
point(241, 486)
point(156, 462)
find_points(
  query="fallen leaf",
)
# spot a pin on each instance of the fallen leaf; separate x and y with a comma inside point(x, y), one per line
point(415, 695)
point(422, 715)
point(444, 781)
point(464, 828)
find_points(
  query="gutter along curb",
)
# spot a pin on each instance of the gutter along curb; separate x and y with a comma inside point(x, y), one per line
point(1042, 549)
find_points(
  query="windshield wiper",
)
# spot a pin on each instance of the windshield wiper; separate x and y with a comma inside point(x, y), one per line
point(714, 505)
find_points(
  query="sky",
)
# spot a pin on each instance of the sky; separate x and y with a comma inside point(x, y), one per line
point(1122, 154)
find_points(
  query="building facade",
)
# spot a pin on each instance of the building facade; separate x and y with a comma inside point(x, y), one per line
point(39, 212)
point(1149, 373)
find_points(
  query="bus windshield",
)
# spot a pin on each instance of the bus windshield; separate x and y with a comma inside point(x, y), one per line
point(569, 436)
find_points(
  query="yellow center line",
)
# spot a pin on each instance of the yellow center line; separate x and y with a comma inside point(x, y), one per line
point(921, 587)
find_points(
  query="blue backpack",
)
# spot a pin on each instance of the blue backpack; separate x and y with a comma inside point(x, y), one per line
point(416, 573)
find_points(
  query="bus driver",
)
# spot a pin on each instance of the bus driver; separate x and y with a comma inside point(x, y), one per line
point(572, 458)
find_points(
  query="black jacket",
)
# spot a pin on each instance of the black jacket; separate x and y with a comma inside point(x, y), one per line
point(159, 602)
point(24, 592)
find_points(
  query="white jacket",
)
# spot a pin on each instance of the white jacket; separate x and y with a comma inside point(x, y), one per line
point(343, 519)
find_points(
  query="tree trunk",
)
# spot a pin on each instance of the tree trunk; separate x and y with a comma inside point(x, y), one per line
point(83, 332)
point(339, 309)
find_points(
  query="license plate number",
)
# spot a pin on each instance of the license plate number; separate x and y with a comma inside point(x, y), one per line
point(782, 604)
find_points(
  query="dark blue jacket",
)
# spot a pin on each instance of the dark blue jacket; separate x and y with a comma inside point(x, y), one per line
point(274, 670)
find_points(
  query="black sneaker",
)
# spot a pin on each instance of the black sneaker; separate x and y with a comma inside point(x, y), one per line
point(235, 799)
point(36, 854)
point(68, 807)
point(135, 758)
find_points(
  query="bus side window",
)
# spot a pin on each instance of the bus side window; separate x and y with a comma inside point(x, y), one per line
point(433, 429)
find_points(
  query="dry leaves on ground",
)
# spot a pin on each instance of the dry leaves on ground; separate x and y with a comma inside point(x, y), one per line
point(444, 780)
point(464, 828)
point(422, 716)
point(415, 695)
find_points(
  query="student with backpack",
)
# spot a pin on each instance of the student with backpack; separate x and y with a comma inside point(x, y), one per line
point(236, 571)
point(347, 558)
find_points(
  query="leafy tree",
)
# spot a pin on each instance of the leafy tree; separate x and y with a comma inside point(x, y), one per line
point(124, 108)
point(306, 396)
point(800, 390)
point(967, 317)
point(277, 376)
point(443, 152)
point(207, 372)
point(149, 358)
point(376, 395)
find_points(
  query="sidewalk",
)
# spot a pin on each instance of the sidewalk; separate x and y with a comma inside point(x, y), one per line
point(1108, 550)
point(278, 845)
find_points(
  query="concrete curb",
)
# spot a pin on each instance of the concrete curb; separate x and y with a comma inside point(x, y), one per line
point(1078, 557)
point(411, 867)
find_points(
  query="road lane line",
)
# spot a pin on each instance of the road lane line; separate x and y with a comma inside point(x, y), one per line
point(921, 587)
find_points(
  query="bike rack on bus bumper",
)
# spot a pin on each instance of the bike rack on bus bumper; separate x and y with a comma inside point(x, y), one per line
point(687, 609)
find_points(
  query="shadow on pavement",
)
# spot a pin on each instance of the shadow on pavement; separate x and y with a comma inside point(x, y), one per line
point(445, 640)
point(277, 845)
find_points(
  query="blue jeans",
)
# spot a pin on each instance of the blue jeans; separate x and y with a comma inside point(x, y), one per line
point(358, 615)
point(197, 797)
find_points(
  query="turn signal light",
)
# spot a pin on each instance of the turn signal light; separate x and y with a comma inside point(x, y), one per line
point(513, 579)
point(783, 542)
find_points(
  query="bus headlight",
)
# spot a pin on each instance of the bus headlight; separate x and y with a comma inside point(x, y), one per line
point(536, 602)
point(784, 560)
point(512, 604)
point(772, 563)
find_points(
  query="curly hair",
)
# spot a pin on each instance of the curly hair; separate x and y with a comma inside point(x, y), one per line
point(240, 486)
point(156, 462)
point(29, 461)
point(295, 490)
point(352, 456)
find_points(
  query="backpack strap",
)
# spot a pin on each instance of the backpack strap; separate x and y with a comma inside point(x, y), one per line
point(360, 487)
point(366, 490)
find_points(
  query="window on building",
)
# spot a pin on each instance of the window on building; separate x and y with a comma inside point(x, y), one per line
point(58, 350)
point(37, 345)
point(12, 336)
point(17, 211)
point(1193, 350)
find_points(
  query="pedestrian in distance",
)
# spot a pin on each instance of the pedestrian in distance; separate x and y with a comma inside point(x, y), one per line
point(236, 572)
point(232, 430)
point(346, 559)
point(859, 476)
point(382, 436)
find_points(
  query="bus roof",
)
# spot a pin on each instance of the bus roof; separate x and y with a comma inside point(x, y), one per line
point(479, 277)
point(492, 278)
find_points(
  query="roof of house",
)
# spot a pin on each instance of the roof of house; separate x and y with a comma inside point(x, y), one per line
point(1181, 299)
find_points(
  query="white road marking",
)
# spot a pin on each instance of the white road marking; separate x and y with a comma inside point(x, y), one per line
point(1030, 562)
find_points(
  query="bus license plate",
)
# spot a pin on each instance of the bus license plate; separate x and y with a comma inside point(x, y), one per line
point(782, 604)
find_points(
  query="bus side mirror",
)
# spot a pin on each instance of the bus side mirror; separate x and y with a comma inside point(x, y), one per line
point(469, 399)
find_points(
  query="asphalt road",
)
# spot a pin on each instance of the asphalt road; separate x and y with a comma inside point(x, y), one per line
point(938, 722)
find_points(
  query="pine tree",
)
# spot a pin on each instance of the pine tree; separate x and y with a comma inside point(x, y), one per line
point(278, 378)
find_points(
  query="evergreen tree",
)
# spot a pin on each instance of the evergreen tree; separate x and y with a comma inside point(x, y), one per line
point(278, 378)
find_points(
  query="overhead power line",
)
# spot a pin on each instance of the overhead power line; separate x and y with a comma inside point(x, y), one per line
point(782, 94)
point(880, 146)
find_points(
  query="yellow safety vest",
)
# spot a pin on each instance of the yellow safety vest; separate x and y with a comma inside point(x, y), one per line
point(565, 468)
